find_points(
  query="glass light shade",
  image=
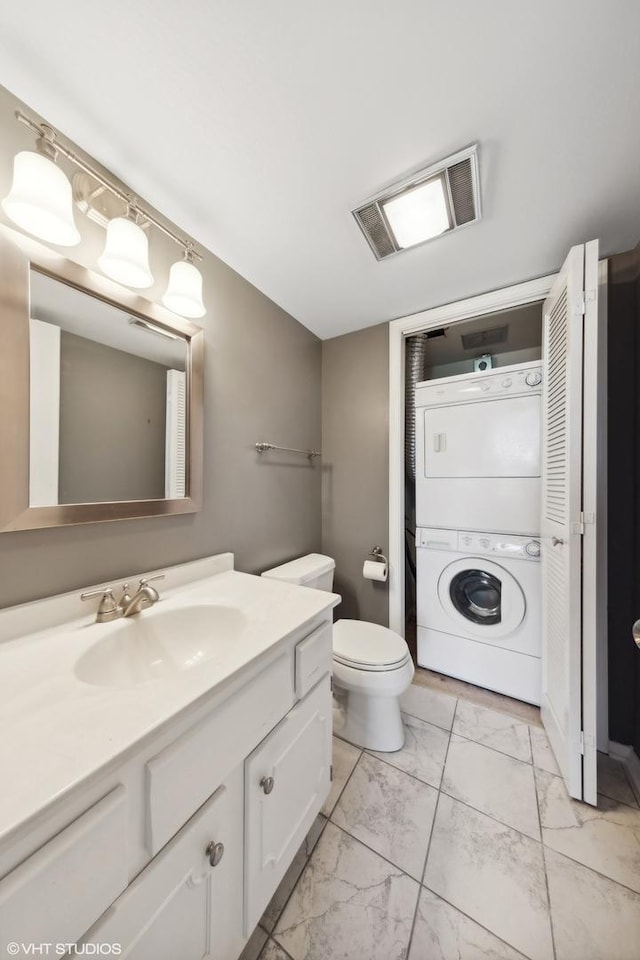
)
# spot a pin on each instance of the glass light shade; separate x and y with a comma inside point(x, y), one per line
point(184, 292)
point(126, 254)
point(418, 214)
point(41, 201)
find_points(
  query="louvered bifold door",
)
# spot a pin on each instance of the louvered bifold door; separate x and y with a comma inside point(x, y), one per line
point(561, 509)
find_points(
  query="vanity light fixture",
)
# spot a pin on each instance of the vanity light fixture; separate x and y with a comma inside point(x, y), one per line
point(153, 328)
point(40, 202)
point(184, 293)
point(126, 252)
point(40, 199)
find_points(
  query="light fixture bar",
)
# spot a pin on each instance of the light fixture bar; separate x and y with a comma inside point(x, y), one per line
point(153, 328)
point(45, 131)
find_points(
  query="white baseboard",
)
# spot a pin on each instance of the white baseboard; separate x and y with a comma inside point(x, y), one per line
point(627, 756)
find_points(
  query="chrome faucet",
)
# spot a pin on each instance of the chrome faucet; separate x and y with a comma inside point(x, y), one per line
point(127, 606)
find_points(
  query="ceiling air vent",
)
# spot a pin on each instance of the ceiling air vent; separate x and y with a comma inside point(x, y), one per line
point(484, 338)
point(436, 200)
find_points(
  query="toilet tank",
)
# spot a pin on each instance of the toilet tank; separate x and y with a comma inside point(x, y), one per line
point(313, 570)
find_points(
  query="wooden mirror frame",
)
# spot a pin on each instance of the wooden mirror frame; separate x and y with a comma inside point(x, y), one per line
point(17, 256)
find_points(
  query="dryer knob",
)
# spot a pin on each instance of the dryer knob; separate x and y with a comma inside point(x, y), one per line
point(532, 549)
point(507, 382)
point(533, 378)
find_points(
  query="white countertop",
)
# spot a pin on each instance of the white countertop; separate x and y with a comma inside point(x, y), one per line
point(56, 730)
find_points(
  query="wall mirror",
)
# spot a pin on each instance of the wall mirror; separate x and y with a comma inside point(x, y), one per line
point(101, 397)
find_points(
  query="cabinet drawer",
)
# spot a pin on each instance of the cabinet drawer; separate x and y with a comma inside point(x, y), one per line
point(181, 777)
point(313, 658)
point(63, 888)
point(296, 758)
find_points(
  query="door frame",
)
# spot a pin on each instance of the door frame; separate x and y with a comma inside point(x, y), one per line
point(516, 295)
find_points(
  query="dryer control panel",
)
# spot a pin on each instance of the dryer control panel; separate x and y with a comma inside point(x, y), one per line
point(515, 380)
point(472, 543)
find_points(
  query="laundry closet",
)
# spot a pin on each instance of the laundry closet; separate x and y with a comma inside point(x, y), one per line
point(477, 501)
point(505, 499)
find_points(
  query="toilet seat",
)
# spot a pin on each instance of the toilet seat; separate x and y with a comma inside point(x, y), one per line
point(368, 646)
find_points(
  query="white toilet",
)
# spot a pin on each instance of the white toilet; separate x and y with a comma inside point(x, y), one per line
point(372, 666)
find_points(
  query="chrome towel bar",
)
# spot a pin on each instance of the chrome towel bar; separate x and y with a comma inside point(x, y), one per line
point(262, 446)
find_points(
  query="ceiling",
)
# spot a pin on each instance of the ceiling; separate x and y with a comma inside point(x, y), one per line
point(257, 126)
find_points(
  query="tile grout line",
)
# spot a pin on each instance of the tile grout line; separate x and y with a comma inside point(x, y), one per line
point(464, 803)
point(306, 864)
point(414, 716)
point(491, 816)
point(433, 826)
point(388, 763)
point(476, 922)
point(487, 746)
point(375, 852)
point(597, 873)
point(544, 858)
point(279, 946)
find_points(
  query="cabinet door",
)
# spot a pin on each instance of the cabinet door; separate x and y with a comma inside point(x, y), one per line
point(287, 780)
point(181, 905)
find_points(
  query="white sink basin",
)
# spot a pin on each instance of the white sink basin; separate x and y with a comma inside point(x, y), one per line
point(159, 643)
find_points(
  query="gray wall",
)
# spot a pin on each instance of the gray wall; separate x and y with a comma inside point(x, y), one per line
point(113, 409)
point(355, 475)
point(262, 381)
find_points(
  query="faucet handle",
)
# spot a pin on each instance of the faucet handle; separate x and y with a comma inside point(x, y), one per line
point(146, 580)
point(153, 592)
point(108, 609)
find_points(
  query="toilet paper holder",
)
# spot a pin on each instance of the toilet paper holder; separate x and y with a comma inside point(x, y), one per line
point(377, 554)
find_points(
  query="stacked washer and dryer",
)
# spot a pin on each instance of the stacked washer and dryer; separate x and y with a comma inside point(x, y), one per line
point(478, 523)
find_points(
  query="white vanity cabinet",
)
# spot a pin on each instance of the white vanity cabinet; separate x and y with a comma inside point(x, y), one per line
point(174, 849)
point(187, 903)
point(287, 781)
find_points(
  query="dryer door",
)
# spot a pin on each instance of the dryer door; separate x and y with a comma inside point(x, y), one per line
point(492, 438)
point(482, 599)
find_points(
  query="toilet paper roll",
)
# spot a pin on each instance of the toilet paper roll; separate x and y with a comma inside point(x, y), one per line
point(374, 570)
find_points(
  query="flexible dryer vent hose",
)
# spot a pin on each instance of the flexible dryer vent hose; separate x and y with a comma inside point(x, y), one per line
point(414, 374)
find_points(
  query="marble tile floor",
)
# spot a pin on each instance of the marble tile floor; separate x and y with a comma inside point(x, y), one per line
point(462, 846)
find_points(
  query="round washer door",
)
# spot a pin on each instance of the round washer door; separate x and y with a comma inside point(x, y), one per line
point(482, 599)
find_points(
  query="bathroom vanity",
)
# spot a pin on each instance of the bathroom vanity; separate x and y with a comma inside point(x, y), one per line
point(160, 773)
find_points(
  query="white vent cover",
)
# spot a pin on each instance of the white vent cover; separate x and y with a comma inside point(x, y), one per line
point(461, 183)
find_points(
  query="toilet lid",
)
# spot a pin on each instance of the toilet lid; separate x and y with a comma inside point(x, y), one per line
point(367, 645)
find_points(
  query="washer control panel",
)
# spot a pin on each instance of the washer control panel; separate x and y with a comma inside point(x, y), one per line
point(475, 544)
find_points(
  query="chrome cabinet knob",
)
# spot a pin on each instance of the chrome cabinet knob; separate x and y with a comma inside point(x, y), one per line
point(215, 852)
point(267, 784)
point(556, 541)
point(636, 632)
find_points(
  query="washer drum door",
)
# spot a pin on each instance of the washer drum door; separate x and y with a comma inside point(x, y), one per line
point(482, 598)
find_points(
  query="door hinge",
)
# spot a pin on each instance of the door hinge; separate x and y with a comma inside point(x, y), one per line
point(582, 742)
point(331, 773)
point(331, 683)
point(579, 525)
point(581, 304)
